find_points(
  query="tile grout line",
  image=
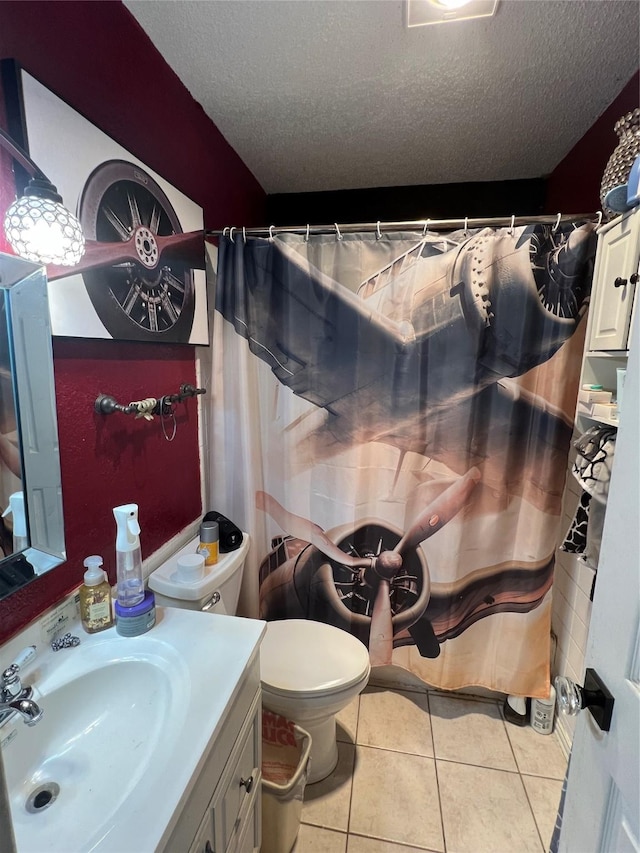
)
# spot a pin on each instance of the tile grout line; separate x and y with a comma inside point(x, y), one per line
point(506, 731)
point(526, 793)
point(353, 772)
point(408, 844)
point(435, 767)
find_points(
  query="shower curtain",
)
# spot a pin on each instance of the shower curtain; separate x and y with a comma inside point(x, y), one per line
point(391, 417)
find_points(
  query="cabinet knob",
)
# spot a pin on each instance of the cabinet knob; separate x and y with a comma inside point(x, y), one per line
point(634, 278)
point(620, 282)
point(247, 784)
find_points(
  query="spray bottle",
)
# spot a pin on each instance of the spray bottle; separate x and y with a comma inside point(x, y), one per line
point(16, 508)
point(128, 555)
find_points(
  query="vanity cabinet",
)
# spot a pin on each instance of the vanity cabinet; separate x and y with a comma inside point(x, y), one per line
point(221, 813)
point(613, 301)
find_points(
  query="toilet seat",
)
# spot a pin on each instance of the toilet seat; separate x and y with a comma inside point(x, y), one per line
point(300, 658)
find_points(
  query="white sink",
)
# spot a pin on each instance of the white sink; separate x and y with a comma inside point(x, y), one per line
point(126, 722)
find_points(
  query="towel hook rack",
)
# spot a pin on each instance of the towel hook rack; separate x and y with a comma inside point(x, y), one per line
point(106, 404)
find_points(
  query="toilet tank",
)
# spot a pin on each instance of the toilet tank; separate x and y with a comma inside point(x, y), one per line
point(216, 592)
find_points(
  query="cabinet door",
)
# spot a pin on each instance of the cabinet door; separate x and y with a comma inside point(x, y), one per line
point(618, 252)
point(235, 798)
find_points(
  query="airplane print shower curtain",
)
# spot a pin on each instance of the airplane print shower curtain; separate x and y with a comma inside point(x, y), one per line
point(391, 423)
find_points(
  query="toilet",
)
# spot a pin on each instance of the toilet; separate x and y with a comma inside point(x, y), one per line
point(309, 670)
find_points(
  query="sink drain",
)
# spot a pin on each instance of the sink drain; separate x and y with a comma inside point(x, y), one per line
point(42, 797)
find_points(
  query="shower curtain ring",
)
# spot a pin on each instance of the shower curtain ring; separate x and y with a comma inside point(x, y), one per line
point(306, 236)
point(426, 228)
point(338, 234)
point(599, 222)
point(271, 232)
point(513, 220)
point(466, 223)
point(555, 227)
point(244, 234)
point(378, 233)
point(224, 230)
point(231, 230)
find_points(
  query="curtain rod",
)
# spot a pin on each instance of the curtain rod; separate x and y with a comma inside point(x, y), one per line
point(413, 225)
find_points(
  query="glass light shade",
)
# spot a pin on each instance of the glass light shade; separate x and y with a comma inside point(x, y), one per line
point(44, 231)
point(420, 13)
point(450, 4)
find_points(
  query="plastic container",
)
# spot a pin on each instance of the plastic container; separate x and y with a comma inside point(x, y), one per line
point(190, 568)
point(285, 758)
point(95, 597)
point(543, 712)
point(136, 620)
point(128, 555)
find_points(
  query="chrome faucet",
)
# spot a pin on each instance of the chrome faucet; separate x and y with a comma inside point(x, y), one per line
point(16, 699)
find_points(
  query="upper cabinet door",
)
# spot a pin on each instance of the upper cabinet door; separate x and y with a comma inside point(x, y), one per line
point(614, 285)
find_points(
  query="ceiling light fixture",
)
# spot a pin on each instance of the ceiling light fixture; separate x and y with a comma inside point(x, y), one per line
point(37, 225)
point(450, 4)
point(421, 13)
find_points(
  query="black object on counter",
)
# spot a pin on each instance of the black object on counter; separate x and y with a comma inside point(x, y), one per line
point(15, 572)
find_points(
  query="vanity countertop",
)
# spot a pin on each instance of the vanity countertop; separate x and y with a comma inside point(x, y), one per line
point(171, 690)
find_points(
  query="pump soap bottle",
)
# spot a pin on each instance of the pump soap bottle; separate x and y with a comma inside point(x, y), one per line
point(128, 555)
point(95, 597)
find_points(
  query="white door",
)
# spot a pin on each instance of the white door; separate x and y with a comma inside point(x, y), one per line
point(602, 808)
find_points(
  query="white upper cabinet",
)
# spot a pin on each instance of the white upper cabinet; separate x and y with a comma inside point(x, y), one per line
point(614, 283)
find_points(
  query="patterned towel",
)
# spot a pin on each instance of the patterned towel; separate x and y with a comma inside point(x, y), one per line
point(594, 460)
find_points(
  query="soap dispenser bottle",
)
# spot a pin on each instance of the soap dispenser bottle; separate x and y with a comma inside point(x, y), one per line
point(95, 597)
point(128, 555)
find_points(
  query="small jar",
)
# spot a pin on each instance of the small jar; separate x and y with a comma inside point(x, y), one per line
point(190, 568)
point(136, 620)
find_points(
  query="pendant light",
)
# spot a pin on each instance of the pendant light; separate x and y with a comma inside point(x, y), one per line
point(38, 226)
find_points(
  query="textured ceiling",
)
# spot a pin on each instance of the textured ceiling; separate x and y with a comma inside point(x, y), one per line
point(328, 94)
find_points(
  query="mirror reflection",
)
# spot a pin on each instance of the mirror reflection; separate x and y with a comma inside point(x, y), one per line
point(31, 523)
point(12, 524)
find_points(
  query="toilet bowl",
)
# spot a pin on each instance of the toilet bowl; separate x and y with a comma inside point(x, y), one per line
point(310, 671)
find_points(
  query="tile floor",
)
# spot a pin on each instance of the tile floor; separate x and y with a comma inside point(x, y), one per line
point(433, 772)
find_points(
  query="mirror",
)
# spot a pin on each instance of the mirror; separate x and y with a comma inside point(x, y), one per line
point(31, 539)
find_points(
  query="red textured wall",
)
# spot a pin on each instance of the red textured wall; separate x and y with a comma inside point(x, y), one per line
point(574, 185)
point(96, 57)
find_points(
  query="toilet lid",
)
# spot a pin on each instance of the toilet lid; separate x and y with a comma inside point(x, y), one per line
point(301, 656)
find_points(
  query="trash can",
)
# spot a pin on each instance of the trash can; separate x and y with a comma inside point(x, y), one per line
point(285, 758)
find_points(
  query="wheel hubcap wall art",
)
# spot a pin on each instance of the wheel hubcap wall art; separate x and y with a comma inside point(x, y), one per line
point(144, 300)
